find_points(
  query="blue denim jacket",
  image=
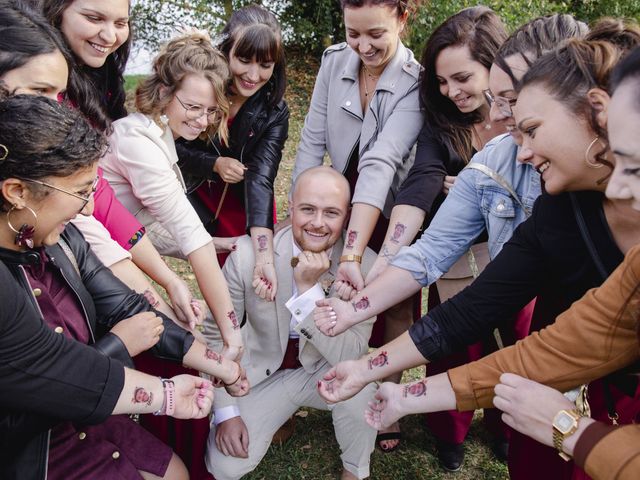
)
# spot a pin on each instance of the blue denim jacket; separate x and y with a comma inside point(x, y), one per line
point(475, 202)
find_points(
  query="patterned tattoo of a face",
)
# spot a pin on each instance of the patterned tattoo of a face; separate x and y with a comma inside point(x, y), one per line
point(361, 304)
point(211, 355)
point(140, 395)
point(351, 239)
point(262, 243)
point(234, 320)
point(398, 231)
point(417, 389)
point(380, 360)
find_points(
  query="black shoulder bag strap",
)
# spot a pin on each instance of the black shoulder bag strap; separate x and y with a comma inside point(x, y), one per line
point(597, 261)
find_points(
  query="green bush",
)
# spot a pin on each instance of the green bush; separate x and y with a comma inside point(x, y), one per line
point(312, 25)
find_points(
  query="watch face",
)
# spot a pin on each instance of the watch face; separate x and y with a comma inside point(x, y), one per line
point(564, 422)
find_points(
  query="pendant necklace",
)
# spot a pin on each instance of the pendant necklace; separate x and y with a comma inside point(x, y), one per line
point(367, 73)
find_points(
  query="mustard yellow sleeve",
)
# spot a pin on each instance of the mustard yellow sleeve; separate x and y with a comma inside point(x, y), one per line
point(616, 456)
point(590, 340)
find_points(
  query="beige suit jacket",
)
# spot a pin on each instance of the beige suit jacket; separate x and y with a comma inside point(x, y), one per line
point(266, 326)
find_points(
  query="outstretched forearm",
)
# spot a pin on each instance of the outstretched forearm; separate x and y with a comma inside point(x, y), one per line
point(202, 358)
point(404, 224)
point(384, 293)
point(216, 293)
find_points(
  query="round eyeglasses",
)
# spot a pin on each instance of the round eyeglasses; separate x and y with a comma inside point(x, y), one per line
point(194, 112)
point(85, 198)
point(504, 104)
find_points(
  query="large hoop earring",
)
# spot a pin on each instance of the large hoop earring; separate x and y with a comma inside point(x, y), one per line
point(24, 235)
point(4, 152)
point(589, 163)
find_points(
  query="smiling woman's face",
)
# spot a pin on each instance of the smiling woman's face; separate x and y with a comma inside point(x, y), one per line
point(94, 29)
point(461, 78)
point(554, 141)
point(373, 32)
point(58, 207)
point(195, 92)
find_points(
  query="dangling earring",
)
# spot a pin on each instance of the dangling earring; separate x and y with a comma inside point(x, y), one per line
point(586, 154)
point(24, 236)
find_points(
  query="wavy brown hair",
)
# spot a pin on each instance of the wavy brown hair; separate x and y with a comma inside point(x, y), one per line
point(482, 31)
point(184, 55)
point(570, 71)
point(537, 37)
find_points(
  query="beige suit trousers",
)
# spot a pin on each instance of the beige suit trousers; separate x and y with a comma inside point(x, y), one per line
point(273, 401)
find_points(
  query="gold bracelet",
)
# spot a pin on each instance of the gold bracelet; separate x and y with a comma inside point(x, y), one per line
point(351, 258)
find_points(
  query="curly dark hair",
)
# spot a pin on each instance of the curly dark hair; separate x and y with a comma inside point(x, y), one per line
point(44, 138)
point(98, 92)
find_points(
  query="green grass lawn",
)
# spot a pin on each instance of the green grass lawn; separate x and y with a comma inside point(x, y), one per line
point(312, 452)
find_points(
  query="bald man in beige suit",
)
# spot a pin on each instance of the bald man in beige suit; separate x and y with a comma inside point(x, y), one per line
point(285, 355)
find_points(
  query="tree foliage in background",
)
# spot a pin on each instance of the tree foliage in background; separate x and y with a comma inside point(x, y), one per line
point(312, 25)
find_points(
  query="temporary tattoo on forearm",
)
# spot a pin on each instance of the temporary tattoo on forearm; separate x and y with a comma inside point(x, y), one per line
point(351, 239)
point(361, 304)
point(416, 389)
point(380, 360)
point(262, 243)
point(398, 231)
point(211, 355)
point(234, 320)
point(151, 298)
point(140, 395)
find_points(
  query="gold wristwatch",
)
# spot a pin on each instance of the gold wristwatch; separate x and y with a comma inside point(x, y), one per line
point(565, 424)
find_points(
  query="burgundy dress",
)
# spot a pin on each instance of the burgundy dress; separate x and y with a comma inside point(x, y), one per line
point(116, 449)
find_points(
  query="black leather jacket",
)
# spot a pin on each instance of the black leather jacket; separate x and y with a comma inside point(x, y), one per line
point(256, 139)
point(45, 378)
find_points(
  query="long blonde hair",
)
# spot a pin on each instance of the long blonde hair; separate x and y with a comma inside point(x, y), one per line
point(191, 53)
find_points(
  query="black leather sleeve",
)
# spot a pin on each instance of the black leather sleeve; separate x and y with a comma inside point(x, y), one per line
point(114, 301)
point(44, 373)
point(111, 346)
point(196, 159)
point(262, 168)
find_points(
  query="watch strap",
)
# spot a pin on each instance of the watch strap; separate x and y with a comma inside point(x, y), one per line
point(351, 258)
point(559, 436)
